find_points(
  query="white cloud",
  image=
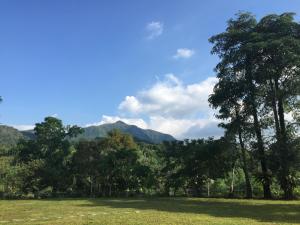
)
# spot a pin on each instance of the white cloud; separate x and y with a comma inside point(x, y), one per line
point(172, 107)
point(175, 108)
point(178, 128)
point(131, 104)
point(186, 128)
point(184, 53)
point(23, 127)
point(154, 29)
point(171, 98)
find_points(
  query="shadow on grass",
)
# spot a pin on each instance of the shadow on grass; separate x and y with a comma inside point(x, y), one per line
point(261, 211)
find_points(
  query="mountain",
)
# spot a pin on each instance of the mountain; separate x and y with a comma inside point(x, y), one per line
point(9, 136)
point(28, 134)
point(144, 135)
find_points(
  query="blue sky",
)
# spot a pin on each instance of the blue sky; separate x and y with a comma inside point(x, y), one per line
point(90, 62)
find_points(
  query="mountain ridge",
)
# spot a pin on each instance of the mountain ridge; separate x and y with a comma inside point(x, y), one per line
point(146, 135)
point(9, 136)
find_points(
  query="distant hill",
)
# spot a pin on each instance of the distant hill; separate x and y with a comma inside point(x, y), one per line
point(9, 136)
point(144, 135)
point(28, 134)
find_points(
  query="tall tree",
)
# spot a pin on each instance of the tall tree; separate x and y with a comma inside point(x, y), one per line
point(52, 147)
point(226, 98)
point(237, 60)
point(278, 60)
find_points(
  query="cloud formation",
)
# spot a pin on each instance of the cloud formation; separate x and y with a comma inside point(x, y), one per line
point(23, 127)
point(184, 53)
point(169, 106)
point(171, 98)
point(179, 128)
point(154, 29)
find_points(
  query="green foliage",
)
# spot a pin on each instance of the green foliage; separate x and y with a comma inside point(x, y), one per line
point(191, 164)
point(9, 136)
point(258, 85)
point(46, 158)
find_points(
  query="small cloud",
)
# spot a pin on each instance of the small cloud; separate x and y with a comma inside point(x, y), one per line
point(23, 127)
point(55, 115)
point(184, 53)
point(131, 103)
point(154, 29)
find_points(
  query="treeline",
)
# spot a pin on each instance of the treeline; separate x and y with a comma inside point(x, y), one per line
point(53, 166)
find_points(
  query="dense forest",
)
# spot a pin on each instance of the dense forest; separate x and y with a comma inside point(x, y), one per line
point(256, 100)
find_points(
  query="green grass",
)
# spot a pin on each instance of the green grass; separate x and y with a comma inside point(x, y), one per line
point(149, 211)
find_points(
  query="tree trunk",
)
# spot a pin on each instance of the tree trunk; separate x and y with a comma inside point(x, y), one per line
point(245, 166)
point(285, 183)
point(91, 187)
point(208, 188)
point(99, 189)
point(274, 108)
point(231, 191)
point(257, 128)
point(263, 161)
point(109, 194)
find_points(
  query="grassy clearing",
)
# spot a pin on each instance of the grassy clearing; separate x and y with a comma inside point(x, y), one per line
point(149, 211)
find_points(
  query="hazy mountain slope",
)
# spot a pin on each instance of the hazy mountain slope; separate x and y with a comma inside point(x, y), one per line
point(149, 136)
point(9, 136)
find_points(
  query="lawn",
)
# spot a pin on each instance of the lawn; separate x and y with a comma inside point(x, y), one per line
point(149, 211)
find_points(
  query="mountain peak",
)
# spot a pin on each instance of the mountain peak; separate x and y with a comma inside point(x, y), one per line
point(120, 122)
point(149, 136)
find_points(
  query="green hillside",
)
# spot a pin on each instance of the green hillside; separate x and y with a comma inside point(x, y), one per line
point(145, 135)
point(9, 136)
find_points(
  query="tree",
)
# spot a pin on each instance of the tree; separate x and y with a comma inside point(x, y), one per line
point(118, 140)
point(53, 148)
point(278, 61)
point(264, 59)
point(237, 60)
point(191, 164)
point(226, 97)
point(86, 162)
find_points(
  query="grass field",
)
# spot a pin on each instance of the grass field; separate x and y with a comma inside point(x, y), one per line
point(149, 211)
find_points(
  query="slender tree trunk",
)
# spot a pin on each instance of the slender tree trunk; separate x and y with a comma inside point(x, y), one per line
point(104, 188)
point(99, 189)
point(109, 194)
point(231, 191)
point(91, 187)
point(257, 128)
point(284, 150)
point(263, 160)
point(245, 166)
point(208, 188)
point(274, 108)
